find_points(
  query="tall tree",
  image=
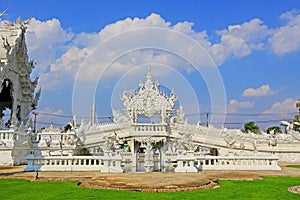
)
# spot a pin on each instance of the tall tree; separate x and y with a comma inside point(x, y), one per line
point(250, 127)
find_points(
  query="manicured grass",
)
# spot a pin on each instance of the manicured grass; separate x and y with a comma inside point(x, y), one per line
point(294, 166)
point(269, 188)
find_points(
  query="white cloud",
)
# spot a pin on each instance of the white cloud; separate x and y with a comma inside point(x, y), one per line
point(64, 69)
point(48, 110)
point(47, 115)
point(187, 28)
point(287, 38)
point(234, 105)
point(241, 104)
point(240, 40)
point(59, 52)
point(264, 90)
point(45, 40)
point(288, 105)
point(93, 39)
point(83, 44)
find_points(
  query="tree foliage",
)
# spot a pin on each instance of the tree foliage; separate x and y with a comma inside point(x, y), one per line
point(67, 128)
point(298, 104)
point(276, 129)
point(250, 127)
point(297, 117)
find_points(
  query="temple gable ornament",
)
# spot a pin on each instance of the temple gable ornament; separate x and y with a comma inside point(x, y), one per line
point(148, 100)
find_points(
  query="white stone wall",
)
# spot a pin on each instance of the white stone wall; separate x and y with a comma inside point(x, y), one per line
point(289, 157)
point(5, 157)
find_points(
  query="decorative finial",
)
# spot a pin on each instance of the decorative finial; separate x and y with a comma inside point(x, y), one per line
point(1, 14)
point(74, 123)
point(19, 21)
point(141, 85)
point(149, 82)
point(149, 75)
point(13, 121)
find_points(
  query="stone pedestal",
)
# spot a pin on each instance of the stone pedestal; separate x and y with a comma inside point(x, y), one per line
point(112, 163)
point(185, 162)
point(32, 163)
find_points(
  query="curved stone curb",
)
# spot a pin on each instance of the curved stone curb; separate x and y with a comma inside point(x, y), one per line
point(167, 188)
point(295, 189)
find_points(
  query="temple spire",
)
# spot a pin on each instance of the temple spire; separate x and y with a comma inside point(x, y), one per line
point(148, 81)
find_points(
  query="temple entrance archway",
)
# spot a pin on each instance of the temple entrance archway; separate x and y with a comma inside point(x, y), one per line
point(148, 156)
point(6, 99)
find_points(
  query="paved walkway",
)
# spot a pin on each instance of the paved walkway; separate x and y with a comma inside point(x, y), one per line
point(155, 182)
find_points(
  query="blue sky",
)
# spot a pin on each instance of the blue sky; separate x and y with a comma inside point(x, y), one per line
point(254, 44)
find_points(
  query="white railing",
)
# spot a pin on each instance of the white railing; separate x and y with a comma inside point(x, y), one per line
point(114, 161)
point(237, 163)
point(7, 135)
point(170, 157)
point(189, 162)
point(104, 163)
point(56, 136)
point(150, 127)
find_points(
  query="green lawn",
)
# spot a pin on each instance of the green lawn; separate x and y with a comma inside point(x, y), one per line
point(269, 188)
point(294, 166)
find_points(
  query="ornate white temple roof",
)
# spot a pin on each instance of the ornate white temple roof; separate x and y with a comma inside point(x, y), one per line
point(9, 33)
point(148, 100)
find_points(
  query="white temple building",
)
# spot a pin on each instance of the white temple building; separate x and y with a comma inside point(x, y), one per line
point(167, 144)
point(165, 141)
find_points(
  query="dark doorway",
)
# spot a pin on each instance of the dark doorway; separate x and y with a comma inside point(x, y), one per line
point(6, 96)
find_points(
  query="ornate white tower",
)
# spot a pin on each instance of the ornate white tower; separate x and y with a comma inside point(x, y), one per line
point(17, 91)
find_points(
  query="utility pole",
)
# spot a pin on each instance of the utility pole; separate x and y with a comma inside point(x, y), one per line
point(34, 122)
point(207, 115)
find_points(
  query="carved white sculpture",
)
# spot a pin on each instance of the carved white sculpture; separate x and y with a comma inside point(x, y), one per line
point(148, 100)
point(148, 155)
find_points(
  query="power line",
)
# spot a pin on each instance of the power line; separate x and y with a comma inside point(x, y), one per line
point(54, 115)
point(244, 114)
point(256, 121)
point(70, 116)
point(191, 114)
point(204, 114)
point(49, 123)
